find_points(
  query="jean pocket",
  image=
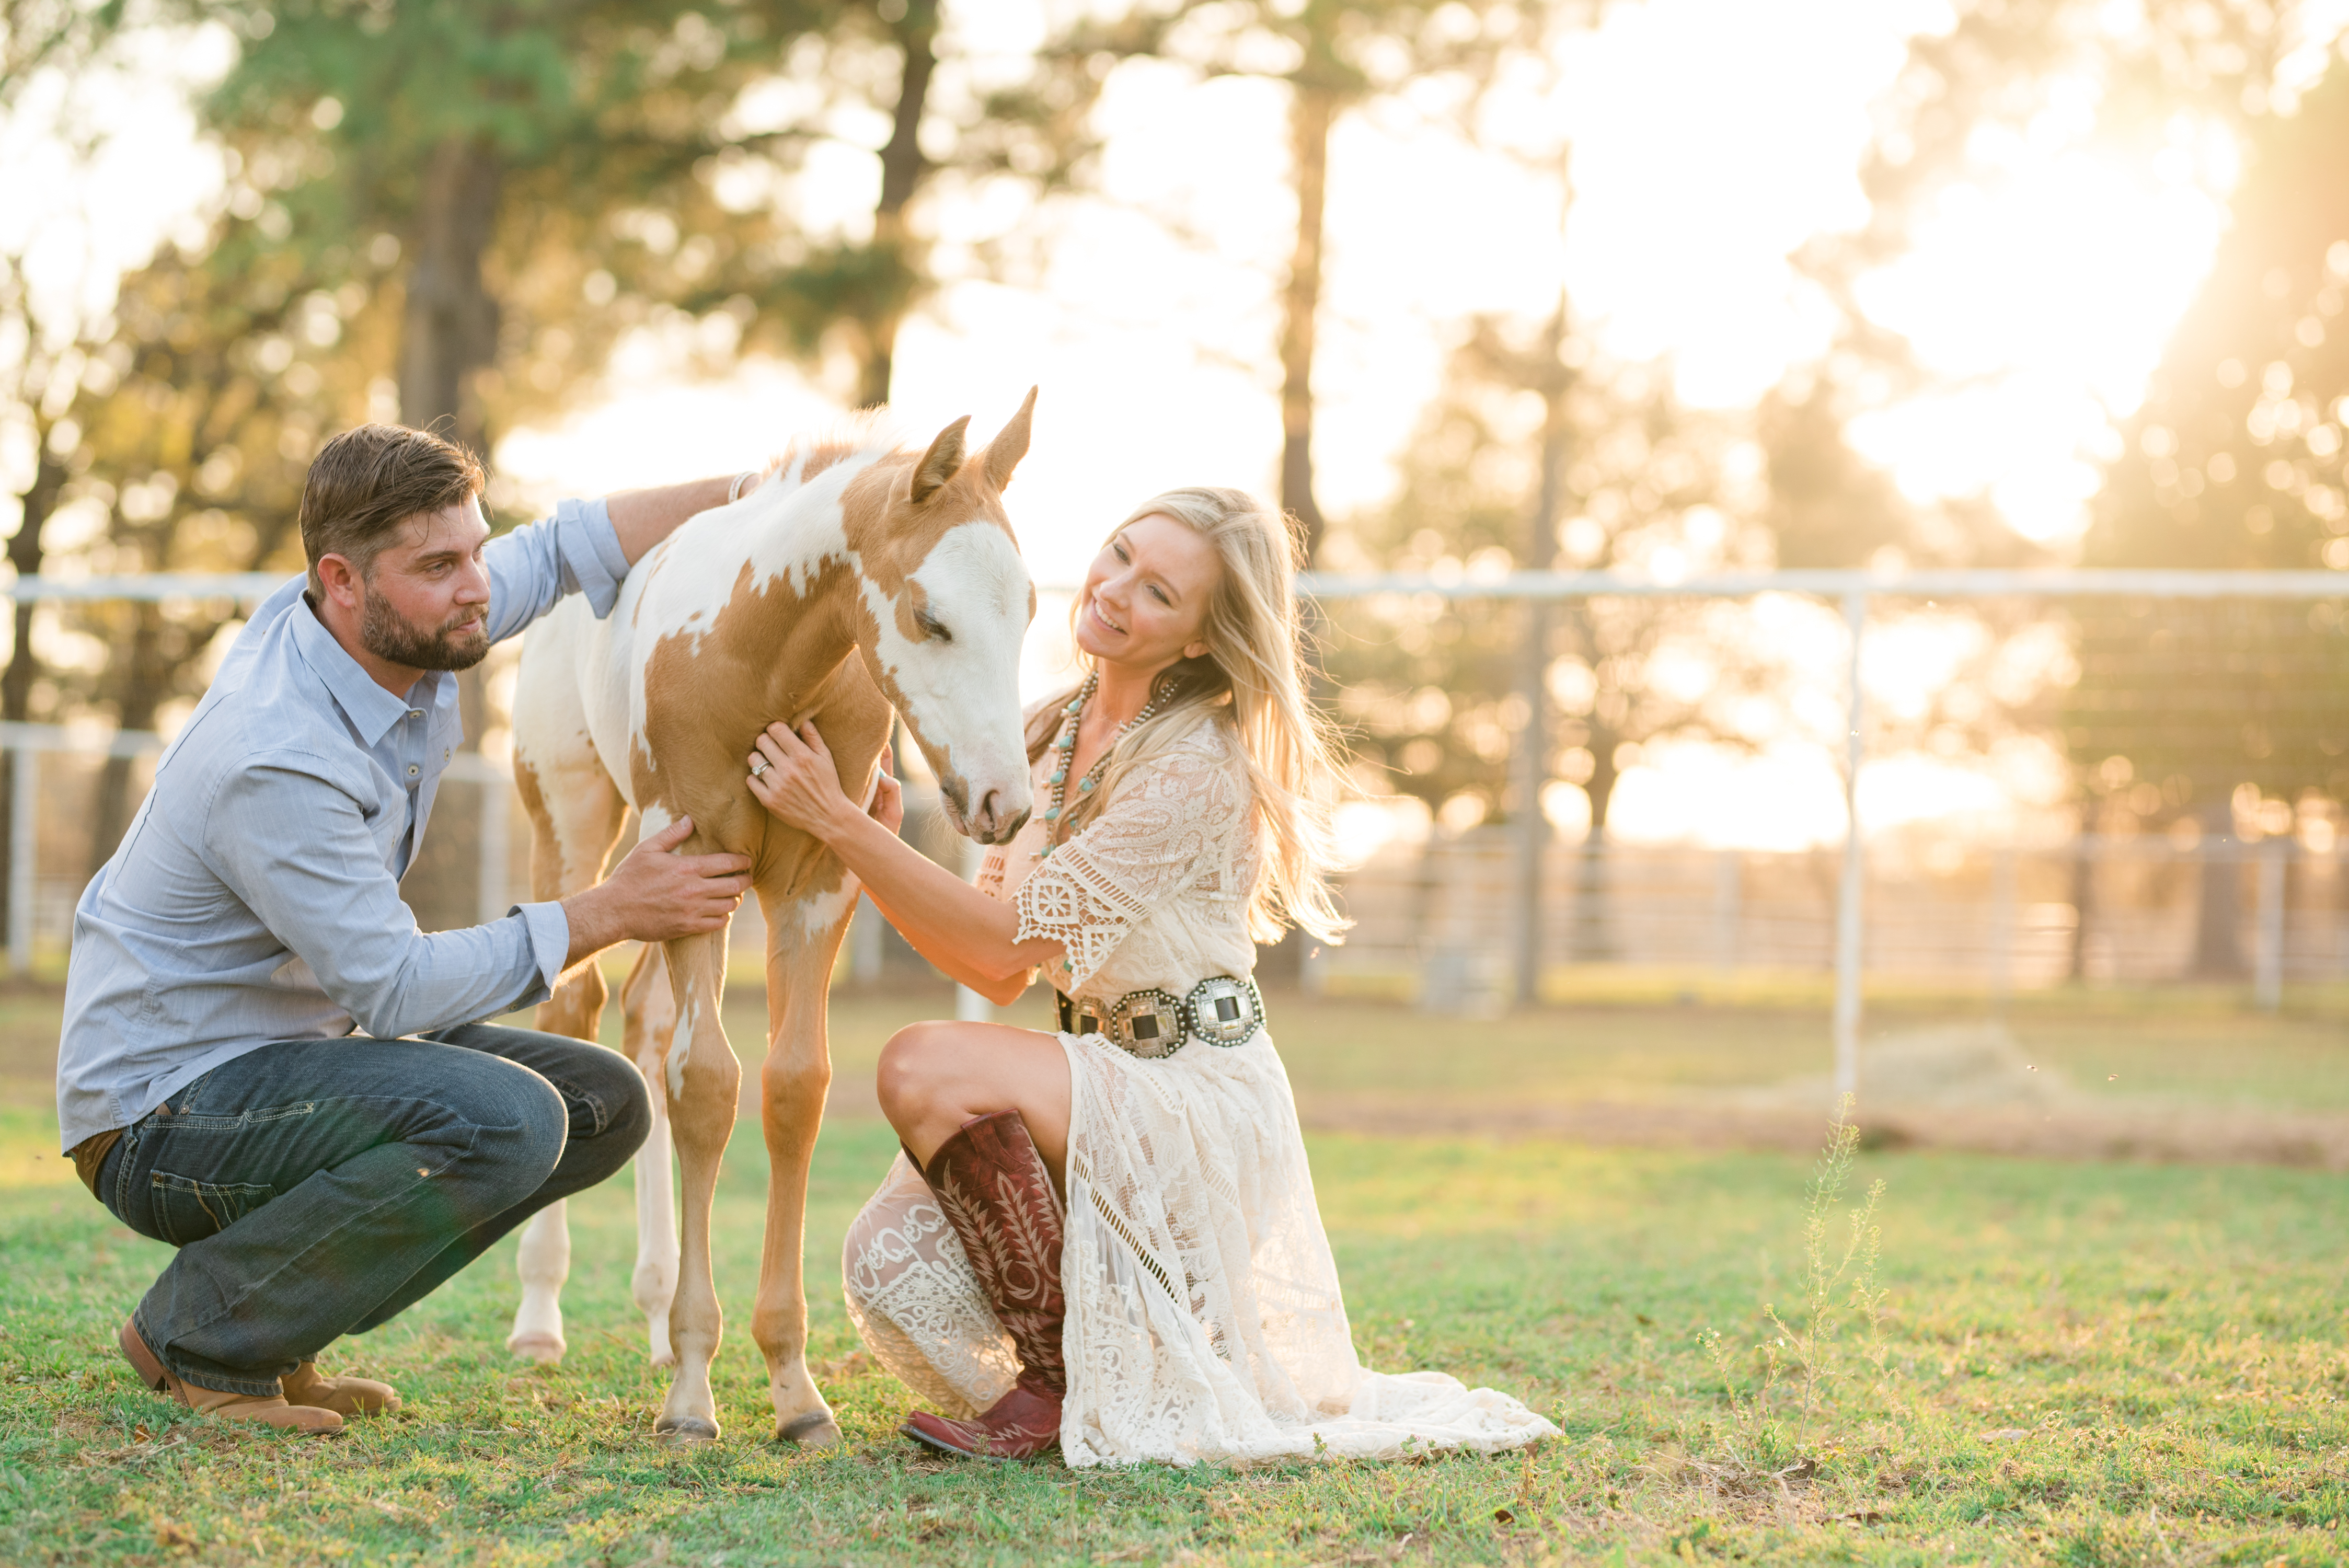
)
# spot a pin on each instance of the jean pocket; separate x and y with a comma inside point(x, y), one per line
point(187, 1211)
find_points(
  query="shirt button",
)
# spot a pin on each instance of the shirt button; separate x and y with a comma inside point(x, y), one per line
point(415, 713)
point(411, 771)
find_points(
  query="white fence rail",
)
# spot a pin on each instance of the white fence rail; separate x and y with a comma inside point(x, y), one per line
point(1853, 591)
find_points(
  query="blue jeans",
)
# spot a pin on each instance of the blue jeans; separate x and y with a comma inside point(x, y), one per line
point(318, 1187)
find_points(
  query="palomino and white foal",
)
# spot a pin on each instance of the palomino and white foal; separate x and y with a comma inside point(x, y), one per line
point(853, 579)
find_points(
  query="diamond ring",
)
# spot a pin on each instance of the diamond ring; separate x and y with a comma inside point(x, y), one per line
point(758, 767)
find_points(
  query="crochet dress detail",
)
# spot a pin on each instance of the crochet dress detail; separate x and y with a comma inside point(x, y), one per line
point(1203, 1318)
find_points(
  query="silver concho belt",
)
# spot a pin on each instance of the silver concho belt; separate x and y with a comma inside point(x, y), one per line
point(1220, 1011)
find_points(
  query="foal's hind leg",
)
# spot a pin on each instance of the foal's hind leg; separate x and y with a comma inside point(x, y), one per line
point(576, 813)
point(649, 1013)
point(801, 941)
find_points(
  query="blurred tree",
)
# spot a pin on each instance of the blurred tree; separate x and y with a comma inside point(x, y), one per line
point(2153, 74)
point(549, 176)
point(50, 331)
point(1528, 426)
point(539, 178)
point(2234, 461)
point(226, 367)
point(1334, 57)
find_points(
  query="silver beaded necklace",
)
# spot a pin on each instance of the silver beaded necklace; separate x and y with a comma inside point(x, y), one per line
point(1065, 743)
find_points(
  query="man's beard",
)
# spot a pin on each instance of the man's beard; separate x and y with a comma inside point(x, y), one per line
point(387, 635)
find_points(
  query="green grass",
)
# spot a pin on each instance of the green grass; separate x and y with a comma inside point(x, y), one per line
point(2089, 1364)
point(2166, 1343)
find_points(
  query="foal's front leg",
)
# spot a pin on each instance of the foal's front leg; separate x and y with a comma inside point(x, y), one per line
point(703, 1081)
point(803, 939)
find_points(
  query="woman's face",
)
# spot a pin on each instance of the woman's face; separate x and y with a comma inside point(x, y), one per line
point(1145, 596)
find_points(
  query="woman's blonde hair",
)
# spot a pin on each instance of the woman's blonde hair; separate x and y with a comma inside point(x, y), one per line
point(1252, 677)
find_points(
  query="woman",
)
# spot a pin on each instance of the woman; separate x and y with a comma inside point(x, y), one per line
point(1194, 1313)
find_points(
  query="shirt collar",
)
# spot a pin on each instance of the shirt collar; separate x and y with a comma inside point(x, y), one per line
point(371, 709)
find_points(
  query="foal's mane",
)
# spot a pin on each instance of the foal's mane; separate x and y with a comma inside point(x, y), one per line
point(808, 455)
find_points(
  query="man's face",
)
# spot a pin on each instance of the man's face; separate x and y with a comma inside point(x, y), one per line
point(428, 595)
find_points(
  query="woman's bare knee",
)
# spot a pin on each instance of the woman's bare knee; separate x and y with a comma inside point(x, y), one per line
point(909, 1076)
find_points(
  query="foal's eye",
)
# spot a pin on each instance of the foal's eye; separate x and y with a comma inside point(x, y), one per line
point(932, 626)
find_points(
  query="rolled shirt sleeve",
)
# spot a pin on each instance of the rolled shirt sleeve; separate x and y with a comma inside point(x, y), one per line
point(575, 551)
point(294, 844)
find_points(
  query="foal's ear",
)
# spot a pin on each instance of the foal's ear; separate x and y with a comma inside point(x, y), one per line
point(1010, 444)
point(941, 462)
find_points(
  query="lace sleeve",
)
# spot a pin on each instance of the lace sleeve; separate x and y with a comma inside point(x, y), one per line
point(989, 880)
point(1150, 838)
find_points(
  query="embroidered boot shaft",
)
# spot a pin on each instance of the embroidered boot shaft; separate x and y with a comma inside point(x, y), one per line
point(994, 1191)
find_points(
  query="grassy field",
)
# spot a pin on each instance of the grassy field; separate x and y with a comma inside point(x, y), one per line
point(2085, 1364)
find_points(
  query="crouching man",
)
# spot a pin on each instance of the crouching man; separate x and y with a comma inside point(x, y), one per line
point(265, 1063)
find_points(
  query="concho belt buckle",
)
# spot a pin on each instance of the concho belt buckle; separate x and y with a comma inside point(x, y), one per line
point(1224, 1011)
point(1147, 1023)
point(1080, 1018)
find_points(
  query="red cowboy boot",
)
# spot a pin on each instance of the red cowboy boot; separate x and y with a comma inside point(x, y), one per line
point(994, 1191)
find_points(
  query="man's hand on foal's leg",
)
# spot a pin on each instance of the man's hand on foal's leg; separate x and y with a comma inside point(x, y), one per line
point(657, 895)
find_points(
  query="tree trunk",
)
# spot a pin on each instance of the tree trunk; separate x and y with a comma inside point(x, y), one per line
point(1311, 111)
point(451, 327)
point(16, 683)
point(2217, 941)
point(2083, 899)
point(902, 168)
point(1594, 940)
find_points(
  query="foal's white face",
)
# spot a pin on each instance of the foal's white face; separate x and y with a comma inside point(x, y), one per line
point(949, 644)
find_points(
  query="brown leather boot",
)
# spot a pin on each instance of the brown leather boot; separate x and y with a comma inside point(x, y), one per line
point(267, 1410)
point(996, 1193)
point(345, 1396)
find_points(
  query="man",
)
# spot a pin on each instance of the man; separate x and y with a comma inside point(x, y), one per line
point(265, 1063)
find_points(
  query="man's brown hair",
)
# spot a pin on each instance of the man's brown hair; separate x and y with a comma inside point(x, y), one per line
point(368, 481)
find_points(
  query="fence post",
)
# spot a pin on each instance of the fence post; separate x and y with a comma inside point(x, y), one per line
point(1532, 769)
point(23, 816)
point(2267, 978)
point(2001, 927)
point(1847, 911)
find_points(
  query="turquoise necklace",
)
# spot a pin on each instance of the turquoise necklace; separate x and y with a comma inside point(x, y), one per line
point(1055, 815)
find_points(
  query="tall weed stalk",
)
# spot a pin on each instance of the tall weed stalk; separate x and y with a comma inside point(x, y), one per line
point(1801, 1361)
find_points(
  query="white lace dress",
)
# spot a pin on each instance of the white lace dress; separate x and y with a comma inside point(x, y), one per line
point(1204, 1320)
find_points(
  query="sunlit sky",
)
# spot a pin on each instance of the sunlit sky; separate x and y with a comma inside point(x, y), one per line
point(1710, 140)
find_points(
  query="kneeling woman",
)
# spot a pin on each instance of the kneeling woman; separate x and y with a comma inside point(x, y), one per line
point(1181, 1305)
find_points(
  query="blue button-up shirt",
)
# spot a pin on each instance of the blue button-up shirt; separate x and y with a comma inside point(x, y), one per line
point(257, 894)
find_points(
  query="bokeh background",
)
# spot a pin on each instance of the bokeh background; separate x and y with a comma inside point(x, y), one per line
point(1659, 289)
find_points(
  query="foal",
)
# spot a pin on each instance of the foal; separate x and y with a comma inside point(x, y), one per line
point(853, 579)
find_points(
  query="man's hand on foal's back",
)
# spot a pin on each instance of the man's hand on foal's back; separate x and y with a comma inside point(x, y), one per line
point(656, 894)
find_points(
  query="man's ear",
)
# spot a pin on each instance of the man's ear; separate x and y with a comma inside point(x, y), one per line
point(341, 581)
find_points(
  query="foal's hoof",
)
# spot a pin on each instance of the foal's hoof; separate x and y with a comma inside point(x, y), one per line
point(816, 1430)
point(685, 1432)
point(536, 1346)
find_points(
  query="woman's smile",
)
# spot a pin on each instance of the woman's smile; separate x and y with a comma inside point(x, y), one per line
point(1103, 619)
